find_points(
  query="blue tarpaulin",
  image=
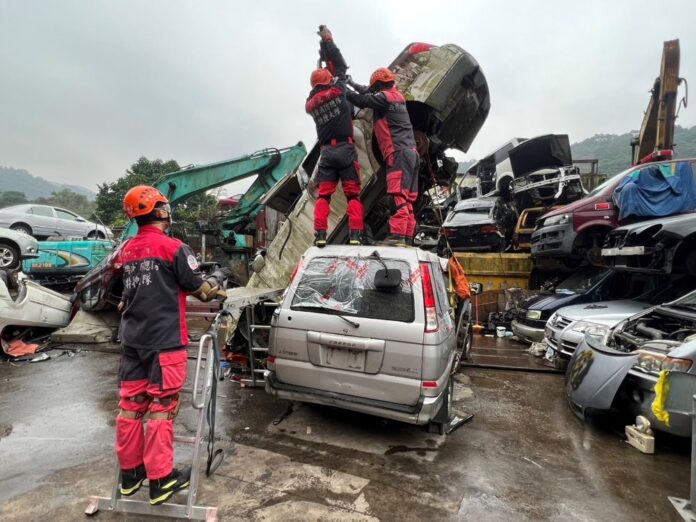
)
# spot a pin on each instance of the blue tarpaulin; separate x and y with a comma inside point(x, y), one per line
point(657, 190)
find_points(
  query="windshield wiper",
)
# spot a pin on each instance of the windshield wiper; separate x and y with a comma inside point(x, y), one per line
point(320, 309)
point(354, 324)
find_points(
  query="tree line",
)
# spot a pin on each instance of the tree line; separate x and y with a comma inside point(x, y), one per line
point(66, 198)
point(108, 206)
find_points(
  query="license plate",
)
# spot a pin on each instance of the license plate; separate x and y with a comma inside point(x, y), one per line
point(353, 360)
point(626, 251)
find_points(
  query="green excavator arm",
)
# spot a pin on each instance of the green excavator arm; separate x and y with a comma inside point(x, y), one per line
point(270, 165)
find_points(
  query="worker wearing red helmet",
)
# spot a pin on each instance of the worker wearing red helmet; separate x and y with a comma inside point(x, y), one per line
point(332, 116)
point(394, 132)
point(158, 272)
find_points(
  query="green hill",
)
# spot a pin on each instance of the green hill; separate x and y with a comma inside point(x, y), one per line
point(33, 187)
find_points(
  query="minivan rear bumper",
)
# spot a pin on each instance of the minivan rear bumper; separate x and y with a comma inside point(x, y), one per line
point(420, 413)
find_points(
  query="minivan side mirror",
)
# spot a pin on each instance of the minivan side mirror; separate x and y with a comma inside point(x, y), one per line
point(387, 278)
point(476, 288)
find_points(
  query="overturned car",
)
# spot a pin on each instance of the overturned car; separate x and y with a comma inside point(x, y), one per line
point(621, 371)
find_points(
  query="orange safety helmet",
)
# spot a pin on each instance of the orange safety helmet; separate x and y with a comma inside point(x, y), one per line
point(141, 200)
point(320, 77)
point(383, 75)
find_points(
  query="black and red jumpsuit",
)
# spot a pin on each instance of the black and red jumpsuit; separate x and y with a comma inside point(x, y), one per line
point(394, 132)
point(332, 116)
point(158, 272)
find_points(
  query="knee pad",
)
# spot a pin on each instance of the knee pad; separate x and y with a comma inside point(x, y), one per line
point(166, 401)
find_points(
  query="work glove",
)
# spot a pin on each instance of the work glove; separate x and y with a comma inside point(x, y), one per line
point(325, 33)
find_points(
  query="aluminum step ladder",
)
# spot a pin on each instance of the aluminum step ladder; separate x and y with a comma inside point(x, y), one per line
point(200, 398)
point(257, 371)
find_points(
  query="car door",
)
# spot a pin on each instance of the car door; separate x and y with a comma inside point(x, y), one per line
point(69, 224)
point(42, 220)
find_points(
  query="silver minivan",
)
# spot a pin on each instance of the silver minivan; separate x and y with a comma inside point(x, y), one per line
point(369, 329)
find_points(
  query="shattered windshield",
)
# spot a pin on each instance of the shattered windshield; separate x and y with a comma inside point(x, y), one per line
point(581, 281)
point(345, 286)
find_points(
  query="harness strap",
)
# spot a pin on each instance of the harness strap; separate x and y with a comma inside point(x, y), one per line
point(167, 415)
point(135, 415)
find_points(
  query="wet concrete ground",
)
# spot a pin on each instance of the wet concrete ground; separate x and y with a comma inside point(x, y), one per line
point(524, 456)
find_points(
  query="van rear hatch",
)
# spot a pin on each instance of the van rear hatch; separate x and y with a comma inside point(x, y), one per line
point(341, 330)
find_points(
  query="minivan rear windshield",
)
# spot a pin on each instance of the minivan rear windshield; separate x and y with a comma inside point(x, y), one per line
point(345, 286)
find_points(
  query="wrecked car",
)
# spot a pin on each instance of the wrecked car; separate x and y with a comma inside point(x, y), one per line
point(569, 325)
point(524, 228)
point(543, 171)
point(33, 307)
point(620, 371)
point(587, 285)
point(665, 245)
point(369, 329)
point(16, 246)
point(494, 171)
point(478, 224)
point(577, 231)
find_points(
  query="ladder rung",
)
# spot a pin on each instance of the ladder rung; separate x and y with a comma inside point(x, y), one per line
point(259, 370)
point(186, 390)
point(260, 327)
point(271, 303)
point(259, 349)
point(185, 440)
point(202, 314)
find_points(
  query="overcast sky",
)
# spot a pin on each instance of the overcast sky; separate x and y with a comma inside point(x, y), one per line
point(87, 87)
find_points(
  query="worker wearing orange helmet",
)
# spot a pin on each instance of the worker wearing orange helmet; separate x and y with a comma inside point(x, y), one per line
point(332, 116)
point(158, 272)
point(394, 132)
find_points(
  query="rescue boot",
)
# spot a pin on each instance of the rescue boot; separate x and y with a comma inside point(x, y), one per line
point(394, 240)
point(354, 238)
point(162, 489)
point(131, 480)
point(320, 238)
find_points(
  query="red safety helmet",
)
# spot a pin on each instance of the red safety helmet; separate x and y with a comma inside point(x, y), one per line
point(383, 75)
point(320, 77)
point(141, 200)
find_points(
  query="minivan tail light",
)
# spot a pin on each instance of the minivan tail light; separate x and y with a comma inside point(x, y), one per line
point(429, 384)
point(428, 298)
point(489, 229)
point(294, 272)
point(449, 232)
point(602, 206)
point(270, 359)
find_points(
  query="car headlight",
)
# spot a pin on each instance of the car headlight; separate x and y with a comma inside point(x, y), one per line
point(655, 362)
point(591, 329)
point(533, 315)
point(558, 220)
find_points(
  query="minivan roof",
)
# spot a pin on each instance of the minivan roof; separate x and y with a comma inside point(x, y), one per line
point(410, 254)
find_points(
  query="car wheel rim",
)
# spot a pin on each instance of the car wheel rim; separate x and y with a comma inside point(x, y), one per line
point(6, 257)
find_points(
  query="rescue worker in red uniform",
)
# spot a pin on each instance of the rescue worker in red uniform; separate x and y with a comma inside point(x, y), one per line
point(158, 272)
point(332, 116)
point(394, 132)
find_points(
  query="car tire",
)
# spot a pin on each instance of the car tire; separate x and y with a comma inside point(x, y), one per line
point(442, 417)
point(9, 257)
point(22, 227)
point(96, 235)
point(464, 332)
